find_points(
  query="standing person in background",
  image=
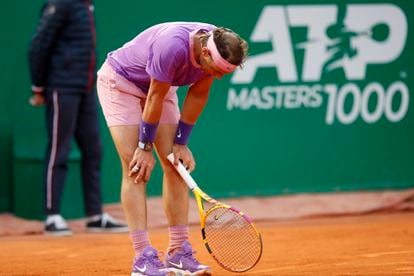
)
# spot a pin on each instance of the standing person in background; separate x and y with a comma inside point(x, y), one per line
point(137, 90)
point(62, 61)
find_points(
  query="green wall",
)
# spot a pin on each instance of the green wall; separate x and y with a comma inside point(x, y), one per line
point(263, 133)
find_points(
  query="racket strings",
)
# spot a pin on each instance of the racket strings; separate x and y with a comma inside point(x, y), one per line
point(232, 239)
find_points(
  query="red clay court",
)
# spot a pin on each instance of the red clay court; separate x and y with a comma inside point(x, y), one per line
point(373, 234)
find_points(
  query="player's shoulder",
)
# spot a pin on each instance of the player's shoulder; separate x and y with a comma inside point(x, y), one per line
point(178, 32)
point(171, 45)
point(172, 36)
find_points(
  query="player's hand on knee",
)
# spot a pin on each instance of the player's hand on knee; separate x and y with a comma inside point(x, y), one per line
point(141, 165)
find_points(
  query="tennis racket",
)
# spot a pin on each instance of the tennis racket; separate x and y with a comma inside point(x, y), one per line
point(228, 234)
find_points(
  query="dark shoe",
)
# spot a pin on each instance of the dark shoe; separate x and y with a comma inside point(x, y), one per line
point(105, 223)
point(56, 226)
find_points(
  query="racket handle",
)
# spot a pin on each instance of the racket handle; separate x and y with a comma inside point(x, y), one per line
point(183, 172)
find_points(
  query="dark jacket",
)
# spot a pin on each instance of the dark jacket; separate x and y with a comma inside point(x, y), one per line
point(62, 51)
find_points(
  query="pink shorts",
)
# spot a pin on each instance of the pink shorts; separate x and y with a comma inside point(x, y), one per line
point(122, 101)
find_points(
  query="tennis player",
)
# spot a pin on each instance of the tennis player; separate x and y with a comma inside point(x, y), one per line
point(137, 90)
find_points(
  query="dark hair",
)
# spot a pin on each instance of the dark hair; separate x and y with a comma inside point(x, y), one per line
point(230, 45)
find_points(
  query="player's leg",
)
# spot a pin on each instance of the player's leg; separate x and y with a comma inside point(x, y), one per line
point(180, 257)
point(122, 111)
point(133, 198)
point(175, 191)
point(121, 107)
point(133, 195)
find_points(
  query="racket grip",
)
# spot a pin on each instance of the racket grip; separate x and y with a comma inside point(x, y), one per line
point(188, 179)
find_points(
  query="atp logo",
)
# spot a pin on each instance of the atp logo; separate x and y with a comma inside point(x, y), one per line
point(349, 38)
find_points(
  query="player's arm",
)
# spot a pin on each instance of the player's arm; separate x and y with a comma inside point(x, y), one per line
point(153, 105)
point(195, 100)
point(191, 109)
point(143, 158)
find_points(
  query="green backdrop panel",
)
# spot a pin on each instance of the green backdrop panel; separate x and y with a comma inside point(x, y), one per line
point(323, 103)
